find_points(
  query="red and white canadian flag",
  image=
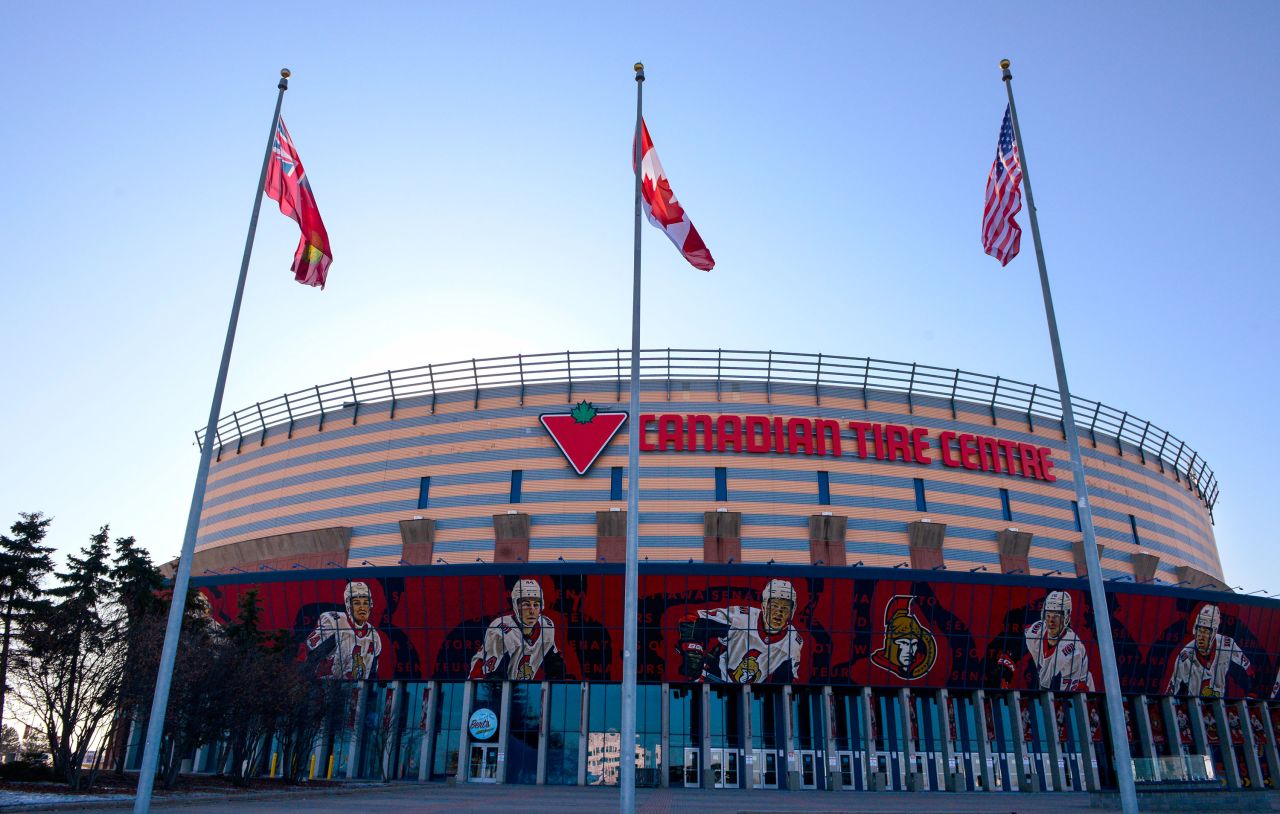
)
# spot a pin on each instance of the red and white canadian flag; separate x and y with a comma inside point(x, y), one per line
point(664, 211)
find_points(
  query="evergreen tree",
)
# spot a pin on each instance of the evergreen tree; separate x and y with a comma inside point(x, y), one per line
point(137, 587)
point(23, 563)
point(71, 670)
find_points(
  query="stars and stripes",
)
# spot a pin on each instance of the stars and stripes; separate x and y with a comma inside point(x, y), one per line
point(288, 185)
point(1001, 235)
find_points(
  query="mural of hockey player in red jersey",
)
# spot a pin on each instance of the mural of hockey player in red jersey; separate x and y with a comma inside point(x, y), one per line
point(1058, 653)
point(346, 644)
point(1202, 664)
point(521, 645)
point(740, 644)
point(909, 650)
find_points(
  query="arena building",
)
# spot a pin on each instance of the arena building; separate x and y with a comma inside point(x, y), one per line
point(855, 574)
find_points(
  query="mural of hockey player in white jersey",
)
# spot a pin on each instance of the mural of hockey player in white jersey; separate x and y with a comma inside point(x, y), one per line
point(346, 644)
point(741, 644)
point(1202, 664)
point(520, 645)
point(1058, 653)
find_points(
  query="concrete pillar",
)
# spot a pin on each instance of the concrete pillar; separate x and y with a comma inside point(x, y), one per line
point(834, 781)
point(1219, 711)
point(315, 766)
point(1269, 734)
point(468, 690)
point(1142, 722)
point(706, 780)
point(665, 777)
point(1173, 733)
point(583, 725)
point(504, 729)
point(427, 752)
point(1250, 745)
point(353, 748)
point(1049, 715)
point(948, 746)
point(788, 737)
point(866, 710)
point(748, 769)
point(984, 739)
point(390, 723)
point(1025, 782)
point(1088, 757)
point(1199, 737)
point(544, 733)
point(913, 781)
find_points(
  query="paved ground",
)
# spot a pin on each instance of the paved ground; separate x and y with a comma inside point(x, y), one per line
point(433, 799)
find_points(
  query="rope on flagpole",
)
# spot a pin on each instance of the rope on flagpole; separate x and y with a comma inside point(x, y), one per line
point(1097, 591)
point(177, 606)
point(630, 594)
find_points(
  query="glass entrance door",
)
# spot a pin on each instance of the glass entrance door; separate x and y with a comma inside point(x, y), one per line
point(724, 768)
point(483, 767)
point(850, 765)
point(808, 769)
point(692, 764)
point(768, 769)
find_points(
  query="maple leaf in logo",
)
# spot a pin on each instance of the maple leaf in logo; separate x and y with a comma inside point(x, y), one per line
point(584, 413)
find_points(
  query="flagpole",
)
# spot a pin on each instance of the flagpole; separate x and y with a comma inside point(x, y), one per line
point(1097, 591)
point(160, 702)
point(630, 594)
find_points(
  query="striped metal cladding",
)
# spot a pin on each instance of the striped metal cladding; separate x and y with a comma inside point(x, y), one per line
point(1100, 423)
point(365, 475)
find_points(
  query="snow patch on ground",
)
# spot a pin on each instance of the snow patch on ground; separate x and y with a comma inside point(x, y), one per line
point(14, 799)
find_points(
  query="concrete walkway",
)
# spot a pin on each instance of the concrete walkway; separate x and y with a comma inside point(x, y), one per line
point(440, 799)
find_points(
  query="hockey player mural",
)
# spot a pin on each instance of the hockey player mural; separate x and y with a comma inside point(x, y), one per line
point(910, 649)
point(753, 626)
point(1060, 657)
point(346, 645)
point(740, 644)
point(1203, 663)
point(520, 645)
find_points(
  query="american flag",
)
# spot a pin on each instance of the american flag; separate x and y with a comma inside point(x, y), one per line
point(1001, 234)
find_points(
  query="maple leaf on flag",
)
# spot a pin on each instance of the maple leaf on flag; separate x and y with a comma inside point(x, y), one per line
point(584, 413)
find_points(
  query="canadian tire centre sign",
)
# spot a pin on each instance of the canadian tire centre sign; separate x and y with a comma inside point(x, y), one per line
point(584, 432)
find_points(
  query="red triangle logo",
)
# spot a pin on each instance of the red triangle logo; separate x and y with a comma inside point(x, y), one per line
point(583, 433)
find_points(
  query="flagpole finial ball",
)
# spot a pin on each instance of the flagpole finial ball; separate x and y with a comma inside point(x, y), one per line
point(639, 67)
point(285, 73)
point(1004, 64)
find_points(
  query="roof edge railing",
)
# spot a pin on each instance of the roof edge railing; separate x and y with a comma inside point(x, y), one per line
point(808, 372)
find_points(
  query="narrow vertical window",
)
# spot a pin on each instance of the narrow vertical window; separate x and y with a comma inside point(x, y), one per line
point(1133, 526)
point(722, 484)
point(1006, 513)
point(921, 504)
point(615, 483)
point(424, 491)
point(517, 478)
point(1075, 512)
point(824, 488)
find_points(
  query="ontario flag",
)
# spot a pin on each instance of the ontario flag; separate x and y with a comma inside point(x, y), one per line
point(288, 185)
point(662, 208)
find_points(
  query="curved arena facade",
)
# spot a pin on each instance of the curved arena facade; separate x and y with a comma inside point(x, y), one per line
point(855, 574)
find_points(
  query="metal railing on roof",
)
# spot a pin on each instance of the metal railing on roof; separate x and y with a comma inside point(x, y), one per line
point(861, 374)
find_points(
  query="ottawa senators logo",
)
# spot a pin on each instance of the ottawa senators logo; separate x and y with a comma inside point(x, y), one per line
point(909, 650)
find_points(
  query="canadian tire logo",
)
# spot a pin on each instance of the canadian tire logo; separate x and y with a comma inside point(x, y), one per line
point(583, 432)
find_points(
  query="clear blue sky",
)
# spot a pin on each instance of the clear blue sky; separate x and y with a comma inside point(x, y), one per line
point(471, 163)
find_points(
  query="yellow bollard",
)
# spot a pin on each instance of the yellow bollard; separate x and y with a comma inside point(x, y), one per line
point(311, 767)
point(329, 774)
point(274, 755)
